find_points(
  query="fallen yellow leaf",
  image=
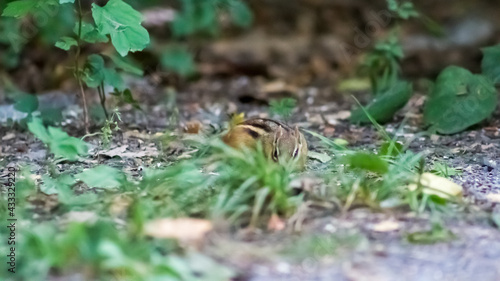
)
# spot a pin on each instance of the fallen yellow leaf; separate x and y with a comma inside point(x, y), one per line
point(385, 226)
point(186, 230)
point(493, 197)
point(436, 185)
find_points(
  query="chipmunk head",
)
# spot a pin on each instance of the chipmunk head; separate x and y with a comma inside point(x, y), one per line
point(287, 145)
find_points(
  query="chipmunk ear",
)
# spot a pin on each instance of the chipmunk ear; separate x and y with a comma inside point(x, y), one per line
point(280, 132)
point(297, 133)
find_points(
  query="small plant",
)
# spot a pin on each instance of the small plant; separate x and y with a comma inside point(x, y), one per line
point(63, 146)
point(110, 126)
point(382, 66)
point(283, 108)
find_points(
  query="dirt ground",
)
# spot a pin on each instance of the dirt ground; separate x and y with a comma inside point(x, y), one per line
point(360, 245)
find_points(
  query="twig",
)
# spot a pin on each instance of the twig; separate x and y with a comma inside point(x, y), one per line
point(77, 69)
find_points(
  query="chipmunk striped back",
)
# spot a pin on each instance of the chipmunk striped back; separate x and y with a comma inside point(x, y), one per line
point(281, 142)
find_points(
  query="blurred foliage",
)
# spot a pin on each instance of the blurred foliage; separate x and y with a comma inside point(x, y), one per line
point(283, 108)
point(458, 100)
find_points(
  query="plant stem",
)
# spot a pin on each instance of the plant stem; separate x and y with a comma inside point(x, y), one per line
point(77, 68)
point(102, 96)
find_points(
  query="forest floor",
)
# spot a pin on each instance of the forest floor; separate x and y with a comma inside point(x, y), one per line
point(360, 244)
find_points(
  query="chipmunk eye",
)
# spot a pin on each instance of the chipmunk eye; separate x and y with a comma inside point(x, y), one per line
point(295, 153)
point(275, 155)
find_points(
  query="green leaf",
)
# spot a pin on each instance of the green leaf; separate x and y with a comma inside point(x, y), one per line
point(112, 78)
point(367, 161)
point(240, 13)
point(25, 102)
point(102, 177)
point(37, 128)
point(66, 43)
point(196, 16)
point(66, 1)
point(52, 186)
point(458, 100)
point(405, 11)
point(383, 107)
point(129, 99)
point(437, 234)
point(94, 71)
point(391, 148)
point(89, 33)
point(58, 141)
point(491, 63)
point(179, 60)
point(22, 8)
point(127, 65)
point(283, 107)
point(123, 24)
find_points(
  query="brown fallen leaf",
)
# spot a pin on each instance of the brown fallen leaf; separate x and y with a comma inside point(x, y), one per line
point(193, 127)
point(275, 223)
point(119, 205)
point(436, 185)
point(8, 136)
point(386, 226)
point(121, 151)
point(187, 230)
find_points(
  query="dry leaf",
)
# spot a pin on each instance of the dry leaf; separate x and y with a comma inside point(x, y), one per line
point(236, 118)
point(121, 151)
point(119, 205)
point(193, 127)
point(493, 197)
point(436, 185)
point(80, 216)
point(278, 86)
point(275, 223)
point(187, 230)
point(321, 157)
point(8, 136)
point(386, 226)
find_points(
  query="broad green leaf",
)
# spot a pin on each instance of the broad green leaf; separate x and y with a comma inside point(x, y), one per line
point(22, 8)
point(112, 78)
point(127, 65)
point(94, 71)
point(383, 107)
point(61, 144)
point(458, 100)
point(66, 43)
point(58, 141)
point(123, 24)
point(66, 1)
point(37, 128)
point(196, 16)
point(491, 63)
point(391, 148)
point(367, 161)
point(52, 186)
point(179, 60)
point(89, 33)
point(102, 177)
point(66, 196)
point(25, 102)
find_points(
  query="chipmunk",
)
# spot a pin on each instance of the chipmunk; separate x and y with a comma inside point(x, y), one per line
point(280, 142)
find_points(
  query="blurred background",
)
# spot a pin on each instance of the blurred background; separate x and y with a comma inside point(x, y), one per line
point(293, 43)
